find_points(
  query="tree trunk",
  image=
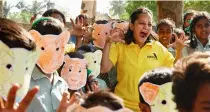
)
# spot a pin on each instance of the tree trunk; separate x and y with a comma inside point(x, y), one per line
point(89, 7)
point(171, 9)
point(1, 8)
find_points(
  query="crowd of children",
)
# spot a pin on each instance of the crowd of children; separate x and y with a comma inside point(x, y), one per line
point(111, 66)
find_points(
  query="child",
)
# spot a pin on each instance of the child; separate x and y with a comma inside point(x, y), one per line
point(155, 91)
point(169, 39)
point(199, 30)
point(18, 55)
point(101, 101)
point(133, 56)
point(188, 16)
point(93, 57)
point(51, 40)
point(191, 80)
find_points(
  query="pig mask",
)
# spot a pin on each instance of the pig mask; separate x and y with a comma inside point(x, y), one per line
point(52, 50)
point(122, 25)
point(94, 62)
point(16, 66)
point(74, 72)
point(100, 34)
point(159, 97)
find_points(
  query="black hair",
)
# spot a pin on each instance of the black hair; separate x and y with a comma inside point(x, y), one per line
point(14, 36)
point(86, 48)
point(49, 12)
point(81, 16)
point(47, 25)
point(197, 17)
point(189, 74)
point(103, 98)
point(134, 16)
point(75, 55)
point(101, 22)
point(189, 12)
point(157, 76)
point(166, 21)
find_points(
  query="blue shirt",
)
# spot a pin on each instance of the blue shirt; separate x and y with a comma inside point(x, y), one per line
point(188, 50)
point(49, 96)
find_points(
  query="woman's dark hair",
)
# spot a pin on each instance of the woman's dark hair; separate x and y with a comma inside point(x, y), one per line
point(197, 17)
point(47, 25)
point(14, 36)
point(166, 21)
point(157, 76)
point(86, 48)
point(49, 12)
point(189, 12)
point(134, 16)
point(189, 74)
point(103, 98)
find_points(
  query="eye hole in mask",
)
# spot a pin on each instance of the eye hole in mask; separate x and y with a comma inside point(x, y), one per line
point(9, 66)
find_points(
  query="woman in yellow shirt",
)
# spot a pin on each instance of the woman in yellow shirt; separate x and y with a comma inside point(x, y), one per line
point(134, 56)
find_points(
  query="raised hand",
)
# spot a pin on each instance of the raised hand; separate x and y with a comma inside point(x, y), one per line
point(116, 36)
point(66, 101)
point(8, 106)
point(77, 29)
point(179, 42)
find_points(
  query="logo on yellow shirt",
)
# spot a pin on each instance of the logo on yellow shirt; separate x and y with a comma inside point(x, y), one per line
point(153, 56)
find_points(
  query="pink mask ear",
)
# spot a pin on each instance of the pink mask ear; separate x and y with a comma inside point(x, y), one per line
point(35, 35)
point(63, 38)
point(149, 92)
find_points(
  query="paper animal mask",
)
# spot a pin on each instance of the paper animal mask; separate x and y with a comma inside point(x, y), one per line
point(94, 62)
point(159, 97)
point(74, 72)
point(122, 25)
point(16, 66)
point(100, 34)
point(52, 50)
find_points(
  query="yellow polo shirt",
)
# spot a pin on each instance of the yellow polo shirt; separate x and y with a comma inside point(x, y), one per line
point(132, 61)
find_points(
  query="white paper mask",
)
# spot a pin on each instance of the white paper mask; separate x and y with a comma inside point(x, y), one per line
point(16, 66)
point(158, 97)
point(94, 62)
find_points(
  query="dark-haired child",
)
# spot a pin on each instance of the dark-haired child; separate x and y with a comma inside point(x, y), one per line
point(191, 83)
point(51, 40)
point(199, 34)
point(155, 91)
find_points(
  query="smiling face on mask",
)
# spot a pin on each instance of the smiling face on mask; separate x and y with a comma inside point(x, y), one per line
point(74, 72)
point(16, 66)
point(141, 28)
point(52, 50)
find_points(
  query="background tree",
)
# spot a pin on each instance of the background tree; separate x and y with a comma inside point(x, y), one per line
point(49, 4)
point(117, 8)
point(197, 5)
point(6, 9)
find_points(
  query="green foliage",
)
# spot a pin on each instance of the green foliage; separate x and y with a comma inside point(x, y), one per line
point(20, 17)
point(6, 8)
point(117, 8)
point(197, 5)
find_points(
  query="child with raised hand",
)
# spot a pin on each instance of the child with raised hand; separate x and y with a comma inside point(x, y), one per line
point(169, 39)
point(199, 34)
point(133, 56)
point(18, 54)
point(50, 39)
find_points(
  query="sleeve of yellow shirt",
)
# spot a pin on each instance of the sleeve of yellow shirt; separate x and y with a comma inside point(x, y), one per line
point(113, 54)
point(169, 59)
point(69, 48)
